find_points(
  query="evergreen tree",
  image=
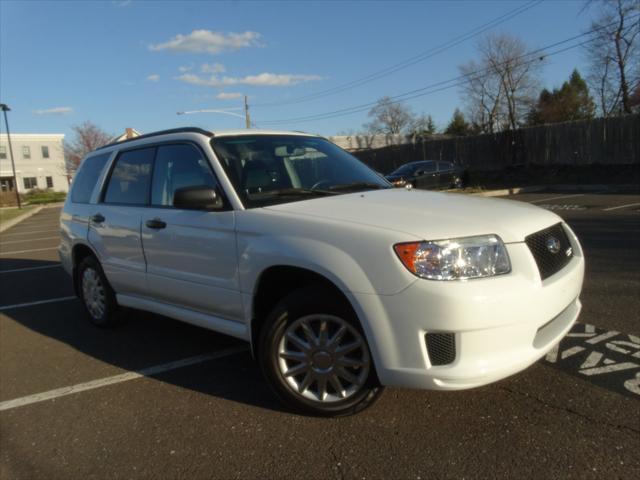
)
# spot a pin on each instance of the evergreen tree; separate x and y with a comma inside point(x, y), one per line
point(458, 125)
point(570, 102)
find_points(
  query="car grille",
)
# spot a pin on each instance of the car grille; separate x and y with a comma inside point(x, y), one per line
point(441, 348)
point(548, 259)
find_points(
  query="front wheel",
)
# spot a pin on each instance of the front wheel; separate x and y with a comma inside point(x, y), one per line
point(315, 356)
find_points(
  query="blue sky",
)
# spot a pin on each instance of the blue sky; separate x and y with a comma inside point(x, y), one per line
point(136, 63)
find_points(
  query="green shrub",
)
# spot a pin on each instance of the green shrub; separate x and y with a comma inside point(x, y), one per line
point(38, 196)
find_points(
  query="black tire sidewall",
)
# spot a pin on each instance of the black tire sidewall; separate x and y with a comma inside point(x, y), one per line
point(312, 300)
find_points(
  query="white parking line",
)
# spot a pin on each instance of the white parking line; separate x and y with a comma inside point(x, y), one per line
point(29, 233)
point(16, 270)
point(621, 206)
point(39, 225)
point(558, 198)
point(27, 251)
point(32, 240)
point(39, 302)
point(124, 377)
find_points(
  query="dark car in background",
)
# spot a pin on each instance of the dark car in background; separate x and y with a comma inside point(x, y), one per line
point(429, 174)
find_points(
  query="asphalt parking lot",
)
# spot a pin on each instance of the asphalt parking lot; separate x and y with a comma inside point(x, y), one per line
point(81, 402)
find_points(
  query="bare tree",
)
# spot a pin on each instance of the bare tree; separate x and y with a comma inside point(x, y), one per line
point(389, 117)
point(500, 88)
point(614, 54)
point(87, 137)
point(422, 126)
point(483, 96)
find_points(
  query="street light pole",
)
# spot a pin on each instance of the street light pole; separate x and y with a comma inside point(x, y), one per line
point(5, 108)
point(247, 119)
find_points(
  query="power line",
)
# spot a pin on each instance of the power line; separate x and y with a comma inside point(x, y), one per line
point(432, 88)
point(410, 61)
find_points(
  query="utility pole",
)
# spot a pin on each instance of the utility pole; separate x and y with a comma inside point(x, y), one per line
point(247, 119)
point(5, 108)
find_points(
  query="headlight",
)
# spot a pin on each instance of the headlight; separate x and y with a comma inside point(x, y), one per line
point(455, 259)
point(399, 183)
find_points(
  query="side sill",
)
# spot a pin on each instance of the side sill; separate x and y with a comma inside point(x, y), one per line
point(210, 322)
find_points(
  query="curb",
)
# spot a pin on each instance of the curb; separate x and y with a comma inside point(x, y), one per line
point(19, 219)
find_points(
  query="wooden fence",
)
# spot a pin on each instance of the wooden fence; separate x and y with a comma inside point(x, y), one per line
point(605, 141)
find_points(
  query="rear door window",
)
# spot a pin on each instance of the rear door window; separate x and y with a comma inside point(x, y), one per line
point(87, 177)
point(131, 178)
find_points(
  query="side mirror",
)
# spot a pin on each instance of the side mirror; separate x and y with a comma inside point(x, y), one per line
point(197, 198)
point(418, 173)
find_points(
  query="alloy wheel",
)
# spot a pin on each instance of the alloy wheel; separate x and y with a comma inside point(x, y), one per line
point(93, 293)
point(323, 358)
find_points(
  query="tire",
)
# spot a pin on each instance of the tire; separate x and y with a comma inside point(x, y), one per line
point(98, 298)
point(335, 372)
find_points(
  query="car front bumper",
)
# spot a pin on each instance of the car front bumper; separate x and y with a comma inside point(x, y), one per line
point(501, 325)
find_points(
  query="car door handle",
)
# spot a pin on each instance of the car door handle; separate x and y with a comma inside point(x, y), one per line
point(97, 218)
point(156, 224)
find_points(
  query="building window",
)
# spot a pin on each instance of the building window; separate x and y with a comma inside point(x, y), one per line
point(26, 152)
point(45, 151)
point(3, 152)
point(30, 182)
point(49, 182)
point(6, 184)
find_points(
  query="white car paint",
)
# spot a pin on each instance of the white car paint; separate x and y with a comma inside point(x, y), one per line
point(498, 321)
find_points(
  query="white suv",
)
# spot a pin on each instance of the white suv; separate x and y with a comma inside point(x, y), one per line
point(341, 283)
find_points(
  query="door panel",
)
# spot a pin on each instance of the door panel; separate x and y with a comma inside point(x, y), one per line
point(191, 254)
point(445, 175)
point(114, 224)
point(429, 177)
point(117, 243)
point(192, 261)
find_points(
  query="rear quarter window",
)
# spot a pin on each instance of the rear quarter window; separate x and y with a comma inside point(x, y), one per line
point(87, 177)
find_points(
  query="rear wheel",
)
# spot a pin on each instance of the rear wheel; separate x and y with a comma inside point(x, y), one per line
point(98, 298)
point(315, 356)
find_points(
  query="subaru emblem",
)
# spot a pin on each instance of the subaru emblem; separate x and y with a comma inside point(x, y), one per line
point(553, 245)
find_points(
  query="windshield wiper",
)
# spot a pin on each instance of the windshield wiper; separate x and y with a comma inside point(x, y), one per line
point(356, 186)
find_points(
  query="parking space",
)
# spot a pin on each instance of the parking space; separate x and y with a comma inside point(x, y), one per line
point(589, 201)
point(158, 398)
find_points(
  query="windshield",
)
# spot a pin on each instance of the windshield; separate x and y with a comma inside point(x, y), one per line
point(405, 169)
point(270, 169)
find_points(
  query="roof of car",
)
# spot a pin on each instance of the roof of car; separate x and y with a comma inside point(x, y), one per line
point(208, 133)
point(254, 131)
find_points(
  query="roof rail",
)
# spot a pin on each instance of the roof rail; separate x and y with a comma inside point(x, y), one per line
point(161, 132)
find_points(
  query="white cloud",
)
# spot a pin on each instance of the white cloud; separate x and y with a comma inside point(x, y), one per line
point(212, 68)
point(206, 41)
point(183, 69)
point(54, 111)
point(153, 78)
point(228, 95)
point(262, 79)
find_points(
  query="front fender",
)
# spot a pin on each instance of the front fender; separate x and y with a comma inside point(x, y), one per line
point(356, 258)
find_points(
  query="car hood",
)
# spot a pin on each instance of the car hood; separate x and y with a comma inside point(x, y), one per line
point(428, 215)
